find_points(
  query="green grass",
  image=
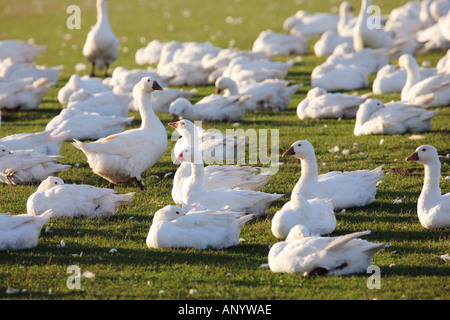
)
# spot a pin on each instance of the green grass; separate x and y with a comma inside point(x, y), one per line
point(410, 268)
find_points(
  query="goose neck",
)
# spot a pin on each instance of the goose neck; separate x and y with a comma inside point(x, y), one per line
point(148, 116)
point(196, 181)
point(308, 176)
point(232, 88)
point(412, 77)
point(431, 181)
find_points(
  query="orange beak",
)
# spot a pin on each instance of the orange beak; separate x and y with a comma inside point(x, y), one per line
point(174, 124)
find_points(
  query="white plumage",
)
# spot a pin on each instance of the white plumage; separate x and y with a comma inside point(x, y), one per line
point(374, 117)
point(433, 207)
point(271, 94)
point(280, 44)
point(214, 107)
point(102, 46)
point(27, 166)
point(345, 189)
point(173, 228)
point(72, 200)
point(123, 157)
point(215, 148)
point(87, 125)
point(329, 256)
point(321, 104)
point(316, 216)
point(196, 197)
point(45, 142)
point(22, 231)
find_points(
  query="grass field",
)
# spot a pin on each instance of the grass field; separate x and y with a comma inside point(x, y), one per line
point(410, 268)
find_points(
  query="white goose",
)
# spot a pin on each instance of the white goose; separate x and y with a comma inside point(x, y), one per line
point(433, 91)
point(106, 103)
point(339, 77)
point(214, 107)
point(20, 51)
point(280, 44)
point(272, 94)
point(173, 228)
point(374, 117)
point(23, 93)
point(244, 70)
point(303, 23)
point(27, 166)
point(372, 59)
point(365, 37)
point(12, 70)
point(75, 83)
point(72, 200)
point(222, 59)
point(44, 141)
point(123, 80)
point(22, 231)
point(328, 42)
point(196, 197)
point(443, 65)
point(345, 189)
point(87, 125)
point(321, 104)
point(392, 79)
point(101, 47)
point(347, 20)
point(316, 216)
point(150, 53)
point(433, 207)
point(123, 157)
point(216, 176)
point(329, 256)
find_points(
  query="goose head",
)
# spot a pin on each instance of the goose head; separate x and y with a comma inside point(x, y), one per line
point(297, 232)
point(168, 213)
point(345, 7)
point(185, 127)
point(147, 85)
point(301, 149)
point(406, 61)
point(178, 106)
point(4, 151)
point(189, 154)
point(367, 108)
point(315, 93)
point(223, 83)
point(424, 154)
point(49, 183)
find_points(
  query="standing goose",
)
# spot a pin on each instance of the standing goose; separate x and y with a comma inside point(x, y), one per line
point(123, 157)
point(101, 46)
point(433, 207)
point(345, 189)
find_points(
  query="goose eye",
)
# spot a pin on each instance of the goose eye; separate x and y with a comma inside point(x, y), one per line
point(299, 144)
point(177, 212)
point(148, 80)
point(56, 182)
point(424, 149)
